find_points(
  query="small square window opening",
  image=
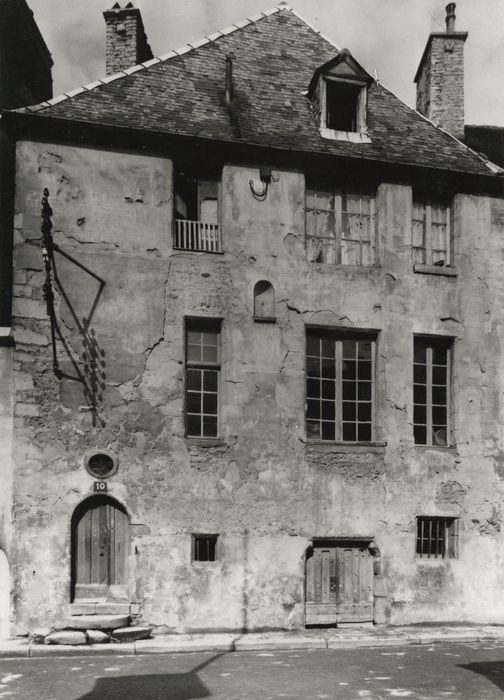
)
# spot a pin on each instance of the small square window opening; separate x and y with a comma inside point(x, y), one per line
point(342, 105)
point(437, 538)
point(204, 547)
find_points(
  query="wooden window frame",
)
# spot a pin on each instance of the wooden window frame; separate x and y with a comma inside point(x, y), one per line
point(446, 535)
point(209, 538)
point(427, 205)
point(432, 343)
point(337, 239)
point(338, 337)
point(200, 325)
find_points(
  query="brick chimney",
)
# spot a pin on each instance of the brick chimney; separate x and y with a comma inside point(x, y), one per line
point(440, 77)
point(126, 41)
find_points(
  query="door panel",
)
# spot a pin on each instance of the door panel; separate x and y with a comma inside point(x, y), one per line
point(339, 580)
point(100, 551)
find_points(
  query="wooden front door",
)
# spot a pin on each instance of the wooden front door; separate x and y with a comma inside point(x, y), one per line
point(100, 551)
point(339, 583)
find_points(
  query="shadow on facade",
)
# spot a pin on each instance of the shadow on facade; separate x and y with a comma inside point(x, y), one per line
point(169, 686)
point(493, 670)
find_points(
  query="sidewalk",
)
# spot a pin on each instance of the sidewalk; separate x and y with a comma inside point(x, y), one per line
point(267, 641)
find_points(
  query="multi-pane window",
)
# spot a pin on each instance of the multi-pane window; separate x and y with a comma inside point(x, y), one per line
point(202, 380)
point(431, 233)
point(431, 392)
point(436, 537)
point(340, 227)
point(204, 547)
point(339, 387)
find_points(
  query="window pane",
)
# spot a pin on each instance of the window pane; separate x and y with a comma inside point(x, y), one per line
point(350, 252)
point(439, 435)
point(193, 337)
point(349, 369)
point(438, 415)
point(313, 388)
point(312, 345)
point(313, 409)
point(439, 395)
point(349, 349)
point(313, 366)
point(193, 425)
point(349, 411)
point(210, 380)
point(193, 402)
point(210, 338)
point(328, 431)
point(349, 390)
point(349, 432)
point(364, 432)
point(313, 429)
point(210, 403)
point(328, 369)
point(438, 375)
point(364, 412)
point(364, 391)
point(420, 353)
point(328, 348)
point(209, 353)
point(194, 353)
point(210, 426)
point(420, 432)
point(328, 410)
point(420, 414)
point(439, 355)
point(193, 379)
point(419, 393)
point(364, 350)
point(364, 369)
point(328, 389)
point(419, 374)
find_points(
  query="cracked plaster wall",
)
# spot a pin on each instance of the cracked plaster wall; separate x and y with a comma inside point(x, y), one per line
point(261, 486)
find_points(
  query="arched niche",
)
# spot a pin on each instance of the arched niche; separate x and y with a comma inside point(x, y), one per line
point(4, 596)
point(100, 550)
point(264, 302)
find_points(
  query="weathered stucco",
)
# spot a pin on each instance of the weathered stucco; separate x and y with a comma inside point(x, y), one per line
point(261, 486)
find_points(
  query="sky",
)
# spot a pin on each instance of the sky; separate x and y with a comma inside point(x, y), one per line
point(386, 36)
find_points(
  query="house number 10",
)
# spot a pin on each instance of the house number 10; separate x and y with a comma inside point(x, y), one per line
point(100, 486)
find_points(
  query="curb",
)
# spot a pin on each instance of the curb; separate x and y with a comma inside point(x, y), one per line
point(21, 648)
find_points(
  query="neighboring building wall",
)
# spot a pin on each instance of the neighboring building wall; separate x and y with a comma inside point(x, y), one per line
point(6, 440)
point(261, 486)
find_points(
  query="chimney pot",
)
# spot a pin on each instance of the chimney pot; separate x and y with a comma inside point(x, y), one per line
point(450, 17)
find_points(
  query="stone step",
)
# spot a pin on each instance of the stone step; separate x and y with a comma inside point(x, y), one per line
point(71, 637)
point(97, 622)
point(131, 634)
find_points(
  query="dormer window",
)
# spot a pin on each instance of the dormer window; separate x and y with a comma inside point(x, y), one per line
point(342, 105)
point(338, 92)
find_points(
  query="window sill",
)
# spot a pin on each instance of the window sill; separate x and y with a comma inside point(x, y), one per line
point(450, 449)
point(346, 268)
point(351, 136)
point(335, 446)
point(204, 442)
point(199, 252)
point(435, 270)
point(439, 561)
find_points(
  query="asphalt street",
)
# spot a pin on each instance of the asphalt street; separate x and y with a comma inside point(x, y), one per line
point(468, 671)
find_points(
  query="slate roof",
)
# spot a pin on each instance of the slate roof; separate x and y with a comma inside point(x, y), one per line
point(274, 57)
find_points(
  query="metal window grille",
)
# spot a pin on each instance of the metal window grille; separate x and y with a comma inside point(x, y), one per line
point(340, 227)
point(437, 538)
point(340, 388)
point(202, 381)
point(431, 233)
point(204, 547)
point(431, 392)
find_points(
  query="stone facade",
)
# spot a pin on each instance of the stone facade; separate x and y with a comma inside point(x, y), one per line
point(261, 486)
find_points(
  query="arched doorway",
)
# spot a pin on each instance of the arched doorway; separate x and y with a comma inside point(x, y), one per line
point(4, 596)
point(100, 547)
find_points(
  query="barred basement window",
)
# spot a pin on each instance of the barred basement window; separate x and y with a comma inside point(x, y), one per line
point(204, 547)
point(339, 387)
point(431, 233)
point(431, 392)
point(202, 378)
point(340, 227)
point(437, 538)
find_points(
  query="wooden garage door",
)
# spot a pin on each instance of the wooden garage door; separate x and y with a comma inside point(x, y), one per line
point(339, 583)
point(100, 551)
